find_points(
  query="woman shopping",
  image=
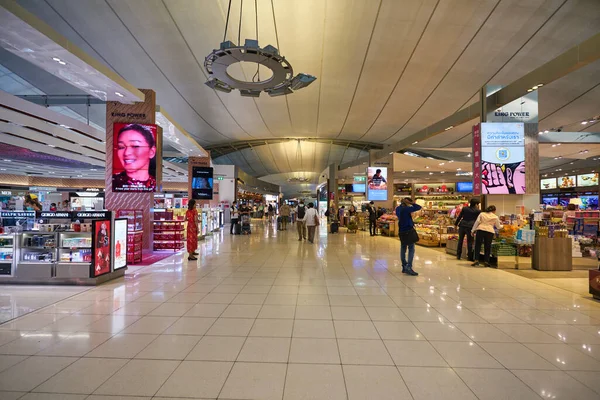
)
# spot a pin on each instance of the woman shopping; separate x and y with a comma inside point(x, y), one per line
point(191, 216)
point(484, 229)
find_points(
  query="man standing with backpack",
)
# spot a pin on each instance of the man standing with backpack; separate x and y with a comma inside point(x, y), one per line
point(300, 220)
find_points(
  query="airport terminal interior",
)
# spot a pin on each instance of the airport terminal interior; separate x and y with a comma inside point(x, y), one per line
point(299, 199)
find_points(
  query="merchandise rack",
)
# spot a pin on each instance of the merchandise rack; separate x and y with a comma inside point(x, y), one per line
point(169, 233)
point(135, 234)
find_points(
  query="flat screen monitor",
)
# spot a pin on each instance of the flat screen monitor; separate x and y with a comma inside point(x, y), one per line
point(134, 157)
point(464, 187)
point(548, 183)
point(359, 188)
point(566, 182)
point(587, 180)
point(377, 184)
point(589, 202)
point(202, 183)
point(550, 201)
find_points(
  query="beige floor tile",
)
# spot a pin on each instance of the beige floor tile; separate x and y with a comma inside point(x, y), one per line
point(241, 311)
point(112, 323)
point(197, 379)
point(313, 300)
point(76, 344)
point(435, 383)
point(258, 349)
point(281, 299)
point(465, 355)
point(374, 382)
point(398, 330)
point(414, 353)
point(8, 361)
point(313, 312)
point(217, 348)
point(516, 356)
point(272, 328)
point(364, 352)
point(345, 300)
point(190, 326)
point(350, 313)
point(231, 327)
point(588, 378)
point(484, 333)
point(355, 330)
point(50, 396)
point(122, 346)
point(169, 347)
point(555, 384)
point(206, 310)
point(253, 298)
point(314, 351)
point(280, 312)
point(494, 384)
point(565, 357)
point(441, 331)
point(83, 376)
point(28, 374)
point(386, 314)
point(218, 298)
point(151, 325)
point(31, 343)
point(424, 314)
point(139, 378)
point(255, 381)
point(171, 310)
point(308, 328)
point(312, 381)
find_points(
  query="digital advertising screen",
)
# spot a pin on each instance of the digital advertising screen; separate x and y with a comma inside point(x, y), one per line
point(548, 183)
point(120, 243)
point(589, 202)
point(550, 200)
point(101, 258)
point(134, 157)
point(587, 180)
point(566, 182)
point(377, 189)
point(503, 158)
point(202, 183)
point(359, 188)
point(464, 187)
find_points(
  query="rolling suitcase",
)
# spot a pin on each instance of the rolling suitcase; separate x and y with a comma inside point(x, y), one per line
point(335, 226)
point(280, 223)
point(237, 229)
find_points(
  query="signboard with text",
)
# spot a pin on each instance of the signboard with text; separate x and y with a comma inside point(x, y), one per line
point(476, 160)
point(502, 158)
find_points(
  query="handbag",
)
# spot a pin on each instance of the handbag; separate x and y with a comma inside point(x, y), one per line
point(316, 220)
point(409, 237)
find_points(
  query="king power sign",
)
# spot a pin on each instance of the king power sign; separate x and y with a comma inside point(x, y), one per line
point(524, 109)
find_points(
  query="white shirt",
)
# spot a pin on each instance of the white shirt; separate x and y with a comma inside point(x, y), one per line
point(309, 216)
point(487, 221)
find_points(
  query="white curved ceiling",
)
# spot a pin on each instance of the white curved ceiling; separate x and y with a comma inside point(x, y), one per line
point(385, 68)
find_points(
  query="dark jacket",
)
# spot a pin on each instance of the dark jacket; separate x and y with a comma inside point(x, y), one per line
point(467, 217)
point(405, 220)
point(372, 212)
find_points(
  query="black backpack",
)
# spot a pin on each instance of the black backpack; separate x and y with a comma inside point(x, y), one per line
point(301, 211)
point(270, 208)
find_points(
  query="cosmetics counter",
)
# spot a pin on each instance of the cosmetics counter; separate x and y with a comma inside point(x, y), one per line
point(82, 248)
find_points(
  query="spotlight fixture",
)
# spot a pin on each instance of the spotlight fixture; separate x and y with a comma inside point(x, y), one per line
point(448, 128)
point(281, 83)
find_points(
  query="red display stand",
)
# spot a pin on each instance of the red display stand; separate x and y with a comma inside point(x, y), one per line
point(135, 234)
point(169, 233)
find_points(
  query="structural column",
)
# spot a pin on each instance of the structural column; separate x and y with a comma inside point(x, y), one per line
point(142, 113)
point(333, 186)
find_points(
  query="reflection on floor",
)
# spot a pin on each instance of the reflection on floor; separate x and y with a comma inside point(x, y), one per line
point(268, 317)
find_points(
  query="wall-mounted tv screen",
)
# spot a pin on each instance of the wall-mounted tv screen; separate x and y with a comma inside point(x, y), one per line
point(202, 183)
point(359, 188)
point(464, 187)
point(550, 201)
point(548, 183)
point(589, 202)
point(566, 182)
point(587, 179)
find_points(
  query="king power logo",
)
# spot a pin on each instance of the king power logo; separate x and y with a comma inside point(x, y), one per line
point(513, 114)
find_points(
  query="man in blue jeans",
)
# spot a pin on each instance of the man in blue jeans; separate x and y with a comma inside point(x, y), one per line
point(404, 213)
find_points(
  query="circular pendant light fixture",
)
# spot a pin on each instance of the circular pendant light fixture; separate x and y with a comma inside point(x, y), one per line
point(282, 82)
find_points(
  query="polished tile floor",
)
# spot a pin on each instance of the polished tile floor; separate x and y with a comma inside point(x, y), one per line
point(267, 317)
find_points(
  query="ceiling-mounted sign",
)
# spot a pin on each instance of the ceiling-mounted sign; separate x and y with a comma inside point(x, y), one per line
point(523, 109)
point(360, 179)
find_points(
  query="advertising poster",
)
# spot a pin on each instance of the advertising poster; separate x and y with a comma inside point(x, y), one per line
point(202, 183)
point(120, 243)
point(476, 160)
point(566, 182)
point(587, 180)
point(503, 158)
point(134, 158)
point(377, 189)
point(549, 183)
point(102, 253)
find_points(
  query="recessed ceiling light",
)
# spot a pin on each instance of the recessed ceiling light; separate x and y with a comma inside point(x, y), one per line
point(546, 131)
point(62, 63)
point(534, 88)
point(442, 163)
point(540, 84)
point(553, 145)
point(431, 173)
point(443, 172)
point(56, 59)
point(412, 170)
point(119, 94)
point(7, 160)
point(93, 169)
point(51, 145)
point(415, 142)
point(540, 133)
point(459, 169)
point(584, 123)
point(427, 167)
point(448, 128)
point(529, 90)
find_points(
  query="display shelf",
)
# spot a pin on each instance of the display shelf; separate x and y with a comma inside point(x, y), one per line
point(168, 233)
point(135, 220)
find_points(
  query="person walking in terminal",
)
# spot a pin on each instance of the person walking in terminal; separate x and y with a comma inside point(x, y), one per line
point(284, 211)
point(485, 228)
point(465, 221)
point(408, 235)
point(300, 220)
point(235, 217)
point(191, 216)
point(312, 221)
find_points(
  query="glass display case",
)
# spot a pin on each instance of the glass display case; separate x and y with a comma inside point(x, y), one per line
point(74, 254)
point(7, 253)
point(169, 235)
point(37, 255)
